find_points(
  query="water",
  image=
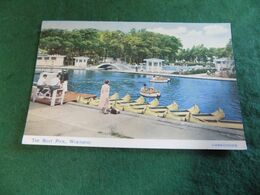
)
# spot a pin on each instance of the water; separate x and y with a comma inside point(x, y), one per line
point(207, 94)
point(177, 68)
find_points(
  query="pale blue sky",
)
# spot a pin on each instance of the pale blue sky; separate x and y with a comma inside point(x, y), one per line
point(190, 34)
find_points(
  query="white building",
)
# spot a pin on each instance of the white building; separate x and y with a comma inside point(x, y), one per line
point(109, 60)
point(153, 64)
point(112, 60)
point(81, 61)
point(223, 63)
point(50, 60)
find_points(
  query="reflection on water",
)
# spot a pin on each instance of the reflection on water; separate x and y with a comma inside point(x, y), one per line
point(208, 94)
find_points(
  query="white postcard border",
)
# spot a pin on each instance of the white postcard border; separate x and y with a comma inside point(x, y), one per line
point(135, 143)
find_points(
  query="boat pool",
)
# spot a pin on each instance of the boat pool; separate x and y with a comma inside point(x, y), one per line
point(207, 94)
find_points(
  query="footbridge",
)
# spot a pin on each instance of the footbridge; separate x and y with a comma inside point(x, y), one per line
point(110, 66)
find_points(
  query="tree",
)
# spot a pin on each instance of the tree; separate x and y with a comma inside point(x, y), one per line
point(132, 47)
point(229, 49)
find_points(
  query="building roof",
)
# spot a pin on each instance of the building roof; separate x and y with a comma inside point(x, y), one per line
point(221, 59)
point(153, 60)
point(47, 55)
point(81, 57)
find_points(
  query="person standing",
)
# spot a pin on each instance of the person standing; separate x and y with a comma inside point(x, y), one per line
point(104, 97)
point(136, 68)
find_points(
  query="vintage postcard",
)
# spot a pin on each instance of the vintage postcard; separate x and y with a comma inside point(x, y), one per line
point(135, 85)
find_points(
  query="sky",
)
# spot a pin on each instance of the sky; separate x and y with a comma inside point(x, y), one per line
point(190, 34)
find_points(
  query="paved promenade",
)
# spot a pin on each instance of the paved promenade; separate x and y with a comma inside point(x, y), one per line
point(77, 120)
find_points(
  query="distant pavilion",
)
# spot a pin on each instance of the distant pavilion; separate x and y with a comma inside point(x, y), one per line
point(81, 61)
point(223, 63)
point(153, 64)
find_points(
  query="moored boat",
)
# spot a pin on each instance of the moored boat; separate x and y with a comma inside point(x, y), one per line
point(115, 96)
point(180, 117)
point(172, 107)
point(151, 112)
point(153, 103)
point(82, 100)
point(217, 115)
point(193, 110)
point(135, 110)
point(160, 110)
point(126, 98)
point(140, 109)
point(230, 124)
point(95, 102)
point(121, 105)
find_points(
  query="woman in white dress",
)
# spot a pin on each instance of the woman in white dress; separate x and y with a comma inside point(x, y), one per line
point(104, 97)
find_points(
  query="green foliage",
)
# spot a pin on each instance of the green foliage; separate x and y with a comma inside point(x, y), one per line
point(229, 49)
point(131, 47)
point(202, 54)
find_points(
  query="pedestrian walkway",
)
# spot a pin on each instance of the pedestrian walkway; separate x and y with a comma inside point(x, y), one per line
point(76, 120)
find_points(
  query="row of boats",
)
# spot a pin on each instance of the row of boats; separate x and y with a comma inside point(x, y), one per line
point(171, 111)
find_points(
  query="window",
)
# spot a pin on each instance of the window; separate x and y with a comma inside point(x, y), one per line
point(46, 58)
point(53, 58)
point(39, 58)
point(80, 60)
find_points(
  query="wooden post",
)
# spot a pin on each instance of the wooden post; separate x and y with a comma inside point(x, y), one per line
point(53, 98)
point(35, 92)
point(62, 97)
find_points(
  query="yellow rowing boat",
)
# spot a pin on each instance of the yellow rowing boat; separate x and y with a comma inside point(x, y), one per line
point(173, 107)
point(140, 109)
point(193, 110)
point(182, 114)
point(126, 98)
point(95, 102)
point(135, 110)
point(218, 123)
point(160, 110)
point(82, 100)
point(120, 105)
point(153, 103)
point(217, 115)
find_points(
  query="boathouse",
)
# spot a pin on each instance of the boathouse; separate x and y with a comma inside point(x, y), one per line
point(81, 61)
point(153, 64)
point(50, 60)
